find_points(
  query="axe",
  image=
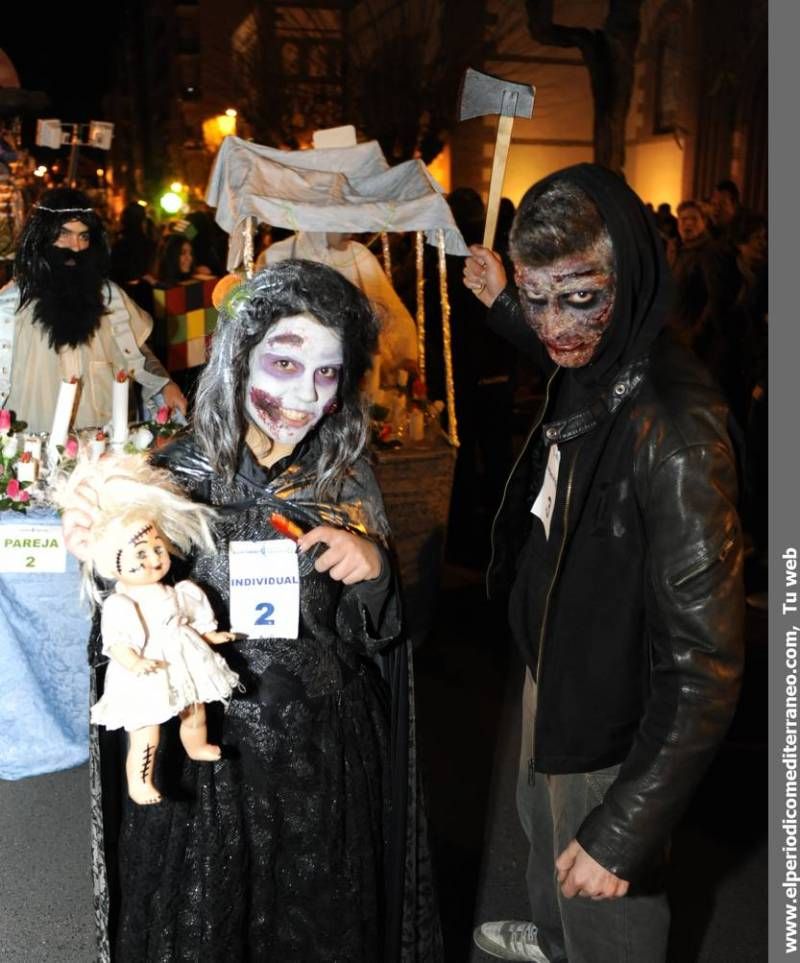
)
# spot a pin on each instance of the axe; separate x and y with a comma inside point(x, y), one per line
point(482, 94)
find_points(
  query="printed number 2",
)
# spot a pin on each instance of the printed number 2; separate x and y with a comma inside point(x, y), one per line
point(30, 561)
point(264, 618)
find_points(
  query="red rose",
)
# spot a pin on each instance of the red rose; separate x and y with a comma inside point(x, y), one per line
point(13, 489)
point(162, 415)
point(5, 419)
point(71, 447)
point(24, 497)
point(25, 457)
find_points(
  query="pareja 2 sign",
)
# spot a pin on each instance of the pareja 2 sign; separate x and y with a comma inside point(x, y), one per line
point(32, 548)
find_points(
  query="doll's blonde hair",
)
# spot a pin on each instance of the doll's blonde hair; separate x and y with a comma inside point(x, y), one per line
point(127, 488)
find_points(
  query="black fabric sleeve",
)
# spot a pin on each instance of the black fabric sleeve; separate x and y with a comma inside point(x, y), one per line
point(374, 593)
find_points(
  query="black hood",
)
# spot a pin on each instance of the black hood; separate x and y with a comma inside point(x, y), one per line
point(643, 281)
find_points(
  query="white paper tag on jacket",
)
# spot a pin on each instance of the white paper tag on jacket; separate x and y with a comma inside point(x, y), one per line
point(546, 499)
point(265, 589)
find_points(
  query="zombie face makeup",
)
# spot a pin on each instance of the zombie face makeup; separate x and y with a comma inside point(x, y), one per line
point(294, 378)
point(142, 557)
point(569, 303)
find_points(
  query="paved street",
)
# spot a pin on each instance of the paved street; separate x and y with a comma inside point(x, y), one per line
point(467, 686)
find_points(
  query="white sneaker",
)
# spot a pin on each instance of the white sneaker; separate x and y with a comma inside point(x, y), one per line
point(509, 940)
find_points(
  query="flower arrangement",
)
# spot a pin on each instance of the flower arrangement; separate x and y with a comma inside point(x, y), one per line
point(27, 462)
point(156, 431)
point(13, 492)
point(68, 453)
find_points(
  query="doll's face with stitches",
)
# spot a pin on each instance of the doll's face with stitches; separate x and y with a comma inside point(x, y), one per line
point(142, 556)
point(294, 378)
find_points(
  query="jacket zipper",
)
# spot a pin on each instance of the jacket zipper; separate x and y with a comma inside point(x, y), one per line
point(538, 680)
point(521, 455)
point(705, 562)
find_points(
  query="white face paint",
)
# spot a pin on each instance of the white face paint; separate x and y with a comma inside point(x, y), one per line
point(294, 377)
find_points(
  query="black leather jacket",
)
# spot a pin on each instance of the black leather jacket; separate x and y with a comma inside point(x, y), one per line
point(632, 624)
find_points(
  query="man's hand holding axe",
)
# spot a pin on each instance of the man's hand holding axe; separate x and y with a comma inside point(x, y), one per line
point(482, 94)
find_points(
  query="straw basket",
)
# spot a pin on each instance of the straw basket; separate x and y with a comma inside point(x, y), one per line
point(416, 484)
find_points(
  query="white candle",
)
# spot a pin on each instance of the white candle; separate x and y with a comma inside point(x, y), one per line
point(97, 447)
point(27, 471)
point(34, 446)
point(119, 412)
point(62, 417)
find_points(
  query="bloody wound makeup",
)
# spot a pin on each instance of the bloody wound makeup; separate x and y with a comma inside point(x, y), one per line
point(569, 303)
point(294, 378)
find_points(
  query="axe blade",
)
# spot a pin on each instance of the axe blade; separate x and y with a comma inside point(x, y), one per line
point(483, 94)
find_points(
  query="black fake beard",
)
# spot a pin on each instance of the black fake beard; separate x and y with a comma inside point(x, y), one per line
point(70, 305)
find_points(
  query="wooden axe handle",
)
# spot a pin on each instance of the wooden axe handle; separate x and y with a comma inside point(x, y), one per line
point(498, 175)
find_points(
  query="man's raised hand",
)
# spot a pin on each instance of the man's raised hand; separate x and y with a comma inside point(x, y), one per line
point(484, 274)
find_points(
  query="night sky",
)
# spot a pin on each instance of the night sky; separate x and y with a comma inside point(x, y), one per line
point(57, 51)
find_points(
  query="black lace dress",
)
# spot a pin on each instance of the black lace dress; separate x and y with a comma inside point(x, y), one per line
point(303, 842)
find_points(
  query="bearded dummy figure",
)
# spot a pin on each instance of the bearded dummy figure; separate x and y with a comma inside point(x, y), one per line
point(61, 318)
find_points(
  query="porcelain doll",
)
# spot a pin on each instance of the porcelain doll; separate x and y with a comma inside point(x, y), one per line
point(158, 637)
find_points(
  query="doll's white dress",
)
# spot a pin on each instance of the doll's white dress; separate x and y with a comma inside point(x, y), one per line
point(168, 628)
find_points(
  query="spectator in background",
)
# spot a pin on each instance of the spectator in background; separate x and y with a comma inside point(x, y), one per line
point(133, 256)
point(728, 217)
point(706, 315)
point(505, 218)
point(210, 242)
point(133, 252)
point(177, 262)
point(751, 259)
point(666, 222)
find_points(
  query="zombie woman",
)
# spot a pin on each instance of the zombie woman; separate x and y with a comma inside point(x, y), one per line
point(302, 842)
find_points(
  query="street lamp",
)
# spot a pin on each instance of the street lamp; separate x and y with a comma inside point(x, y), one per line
point(54, 133)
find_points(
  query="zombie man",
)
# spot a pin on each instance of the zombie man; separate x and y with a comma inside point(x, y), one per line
point(619, 541)
point(62, 318)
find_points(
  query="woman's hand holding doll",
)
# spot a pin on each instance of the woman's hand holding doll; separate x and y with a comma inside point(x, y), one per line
point(78, 518)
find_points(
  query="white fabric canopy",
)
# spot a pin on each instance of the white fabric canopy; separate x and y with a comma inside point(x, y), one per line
point(338, 189)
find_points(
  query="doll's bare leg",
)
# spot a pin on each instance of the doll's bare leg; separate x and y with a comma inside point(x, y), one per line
point(139, 765)
point(194, 735)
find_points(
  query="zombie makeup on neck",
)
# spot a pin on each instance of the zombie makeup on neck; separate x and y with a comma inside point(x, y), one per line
point(294, 378)
point(569, 302)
